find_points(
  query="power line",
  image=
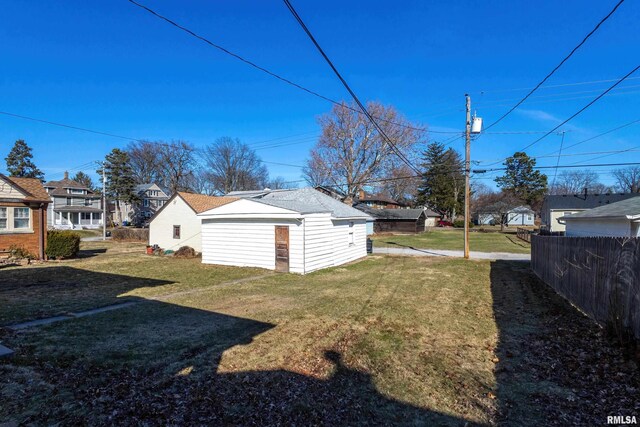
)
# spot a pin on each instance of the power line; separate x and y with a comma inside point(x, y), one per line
point(113, 135)
point(583, 108)
point(555, 174)
point(260, 68)
point(552, 86)
point(579, 112)
point(559, 65)
point(596, 165)
point(346, 85)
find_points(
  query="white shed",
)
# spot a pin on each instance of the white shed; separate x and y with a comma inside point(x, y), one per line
point(620, 219)
point(176, 224)
point(296, 231)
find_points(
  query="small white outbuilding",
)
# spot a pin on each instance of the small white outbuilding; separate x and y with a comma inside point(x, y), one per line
point(296, 231)
point(176, 224)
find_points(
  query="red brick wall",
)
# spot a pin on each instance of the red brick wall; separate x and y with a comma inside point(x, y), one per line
point(30, 241)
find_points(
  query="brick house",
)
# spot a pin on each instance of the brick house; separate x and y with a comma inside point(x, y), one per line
point(23, 215)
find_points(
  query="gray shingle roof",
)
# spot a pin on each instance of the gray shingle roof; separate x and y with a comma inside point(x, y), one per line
point(306, 201)
point(249, 194)
point(580, 201)
point(392, 214)
point(625, 209)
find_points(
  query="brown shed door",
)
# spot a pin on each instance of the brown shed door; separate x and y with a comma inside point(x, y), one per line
point(282, 248)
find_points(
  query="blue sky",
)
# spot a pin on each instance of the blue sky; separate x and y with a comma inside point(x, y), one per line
point(110, 66)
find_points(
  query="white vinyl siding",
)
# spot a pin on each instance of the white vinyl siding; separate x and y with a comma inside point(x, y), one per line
point(250, 242)
point(328, 241)
point(176, 213)
point(600, 227)
point(242, 233)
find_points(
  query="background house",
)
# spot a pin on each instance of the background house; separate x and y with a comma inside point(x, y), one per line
point(397, 220)
point(296, 231)
point(519, 215)
point(23, 215)
point(151, 197)
point(620, 219)
point(377, 201)
point(176, 224)
point(73, 205)
point(555, 207)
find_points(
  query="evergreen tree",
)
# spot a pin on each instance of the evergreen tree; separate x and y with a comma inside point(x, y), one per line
point(522, 180)
point(120, 181)
point(20, 163)
point(442, 186)
point(84, 179)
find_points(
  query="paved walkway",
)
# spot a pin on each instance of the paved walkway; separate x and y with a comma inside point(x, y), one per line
point(409, 251)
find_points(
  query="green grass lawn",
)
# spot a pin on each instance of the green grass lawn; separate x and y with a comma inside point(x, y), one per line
point(453, 240)
point(386, 340)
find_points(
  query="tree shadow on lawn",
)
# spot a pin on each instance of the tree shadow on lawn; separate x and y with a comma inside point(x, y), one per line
point(157, 363)
point(555, 366)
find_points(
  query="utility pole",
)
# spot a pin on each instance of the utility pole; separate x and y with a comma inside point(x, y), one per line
point(104, 204)
point(467, 171)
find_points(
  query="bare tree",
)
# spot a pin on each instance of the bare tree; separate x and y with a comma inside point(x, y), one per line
point(232, 166)
point(178, 162)
point(496, 206)
point(400, 184)
point(279, 183)
point(576, 181)
point(628, 179)
point(351, 151)
point(145, 161)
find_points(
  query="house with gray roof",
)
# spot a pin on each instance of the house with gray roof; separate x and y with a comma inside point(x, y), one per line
point(73, 205)
point(299, 231)
point(151, 198)
point(400, 220)
point(619, 219)
point(557, 206)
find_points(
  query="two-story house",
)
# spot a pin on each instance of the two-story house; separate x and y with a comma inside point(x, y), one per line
point(74, 206)
point(151, 197)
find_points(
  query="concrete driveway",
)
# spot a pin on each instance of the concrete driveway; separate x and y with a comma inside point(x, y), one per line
point(409, 251)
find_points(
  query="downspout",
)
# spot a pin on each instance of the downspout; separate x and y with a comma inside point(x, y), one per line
point(42, 231)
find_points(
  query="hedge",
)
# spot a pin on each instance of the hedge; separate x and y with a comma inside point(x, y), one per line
point(62, 244)
point(459, 223)
point(131, 234)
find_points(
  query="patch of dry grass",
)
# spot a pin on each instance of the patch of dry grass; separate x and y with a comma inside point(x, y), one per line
point(453, 240)
point(388, 340)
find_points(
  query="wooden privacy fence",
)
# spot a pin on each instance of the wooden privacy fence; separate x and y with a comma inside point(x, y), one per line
point(524, 234)
point(599, 275)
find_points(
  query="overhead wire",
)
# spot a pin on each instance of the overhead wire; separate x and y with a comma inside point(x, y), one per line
point(565, 59)
point(397, 151)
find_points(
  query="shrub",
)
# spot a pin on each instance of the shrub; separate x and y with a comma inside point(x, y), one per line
point(62, 244)
point(459, 223)
point(130, 234)
point(444, 223)
point(18, 251)
point(185, 252)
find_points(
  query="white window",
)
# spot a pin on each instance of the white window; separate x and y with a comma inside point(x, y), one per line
point(145, 203)
point(21, 218)
point(76, 191)
point(351, 239)
point(85, 215)
point(529, 217)
point(3, 218)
